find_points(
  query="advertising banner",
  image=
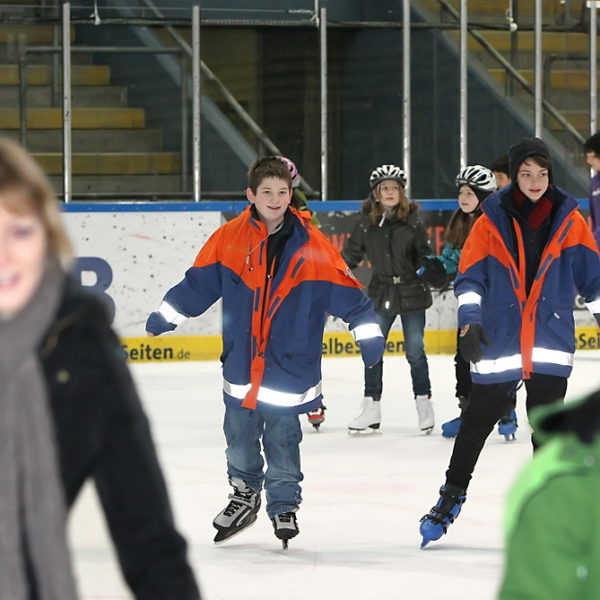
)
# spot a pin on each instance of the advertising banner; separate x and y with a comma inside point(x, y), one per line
point(131, 256)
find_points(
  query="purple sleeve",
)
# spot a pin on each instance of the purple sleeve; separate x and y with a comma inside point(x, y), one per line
point(595, 206)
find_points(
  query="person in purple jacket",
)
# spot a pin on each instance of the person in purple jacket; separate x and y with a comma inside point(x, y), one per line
point(592, 157)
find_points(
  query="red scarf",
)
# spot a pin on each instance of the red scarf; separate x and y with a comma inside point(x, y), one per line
point(535, 213)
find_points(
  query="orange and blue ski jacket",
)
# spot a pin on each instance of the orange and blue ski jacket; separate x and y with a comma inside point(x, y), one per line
point(531, 332)
point(272, 323)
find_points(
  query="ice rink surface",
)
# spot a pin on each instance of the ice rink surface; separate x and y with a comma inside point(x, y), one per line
point(363, 495)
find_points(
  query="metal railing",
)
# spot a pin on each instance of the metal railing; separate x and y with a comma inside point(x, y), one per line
point(24, 51)
point(541, 104)
point(239, 109)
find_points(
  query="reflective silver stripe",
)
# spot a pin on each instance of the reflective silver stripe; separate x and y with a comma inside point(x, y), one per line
point(170, 314)
point(469, 298)
point(498, 365)
point(556, 357)
point(269, 396)
point(369, 330)
point(594, 306)
point(507, 363)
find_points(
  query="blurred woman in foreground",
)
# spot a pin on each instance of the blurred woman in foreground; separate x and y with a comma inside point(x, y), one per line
point(68, 411)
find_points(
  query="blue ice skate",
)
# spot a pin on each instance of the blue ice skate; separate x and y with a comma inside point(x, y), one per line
point(435, 524)
point(507, 426)
point(450, 429)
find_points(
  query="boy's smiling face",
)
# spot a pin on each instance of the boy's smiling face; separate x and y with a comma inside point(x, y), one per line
point(532, 179)
point(271, 200)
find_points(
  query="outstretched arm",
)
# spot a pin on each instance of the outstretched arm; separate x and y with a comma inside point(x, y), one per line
point(199, 289)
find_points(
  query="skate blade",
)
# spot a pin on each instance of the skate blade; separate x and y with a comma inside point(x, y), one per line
point(427, 430)
point(511, 437)
point(284, 545)
point(366, 431)
point(219, 540)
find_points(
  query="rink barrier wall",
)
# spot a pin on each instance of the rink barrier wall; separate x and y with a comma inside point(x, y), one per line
point(335, 345)
point(209, 347)
point(130, 255)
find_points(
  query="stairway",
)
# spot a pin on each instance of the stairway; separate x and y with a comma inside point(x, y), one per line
point(566, 66)
point(113, 151)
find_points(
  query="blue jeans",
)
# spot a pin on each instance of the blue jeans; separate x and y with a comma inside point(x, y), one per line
point(413, 326)
point(281, 437)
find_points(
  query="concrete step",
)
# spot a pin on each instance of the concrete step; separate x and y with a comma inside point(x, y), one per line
point(92, 140)
point(559, 80)
point(493, 12)
point(33, 34)
point(551, 41)
point(9, 55)
point(580, 119)
point(82, 118)
point(103, 184)
point(41, 75)
point(486, 7)
point(84, 96)
point(560, 99)
point(113, 163)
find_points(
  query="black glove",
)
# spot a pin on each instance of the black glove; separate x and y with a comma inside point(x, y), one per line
point(469, 342)
point(434, 273)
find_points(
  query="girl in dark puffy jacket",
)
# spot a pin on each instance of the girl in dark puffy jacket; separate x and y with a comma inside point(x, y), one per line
point(394, 240)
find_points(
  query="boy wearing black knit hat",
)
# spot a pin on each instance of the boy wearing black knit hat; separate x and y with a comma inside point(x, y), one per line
point(592, 157)
point(519, 268)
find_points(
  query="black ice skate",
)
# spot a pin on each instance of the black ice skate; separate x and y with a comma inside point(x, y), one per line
point(317, 416)
point(286, 527)
point(239, 514)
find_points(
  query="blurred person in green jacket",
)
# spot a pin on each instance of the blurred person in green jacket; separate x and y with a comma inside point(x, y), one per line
point(553, 513)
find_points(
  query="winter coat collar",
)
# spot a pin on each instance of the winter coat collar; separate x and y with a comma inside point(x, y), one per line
point(581, 418)
point(496, 207)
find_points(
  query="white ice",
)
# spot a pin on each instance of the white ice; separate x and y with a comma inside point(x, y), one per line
point(363, 496)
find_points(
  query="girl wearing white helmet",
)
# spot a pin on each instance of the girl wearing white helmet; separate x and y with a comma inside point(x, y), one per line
point(394, 240)
point(475, 183)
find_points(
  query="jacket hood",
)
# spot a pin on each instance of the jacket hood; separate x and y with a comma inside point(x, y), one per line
point(524, 149)
point(581, 418)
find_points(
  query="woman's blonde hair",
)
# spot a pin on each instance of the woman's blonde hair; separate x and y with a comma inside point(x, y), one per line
point(375, 209)
point(25, 189)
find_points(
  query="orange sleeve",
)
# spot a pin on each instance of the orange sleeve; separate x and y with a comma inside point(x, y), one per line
point(477, 246)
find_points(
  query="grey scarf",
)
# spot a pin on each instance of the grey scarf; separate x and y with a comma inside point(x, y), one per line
point(33, 541)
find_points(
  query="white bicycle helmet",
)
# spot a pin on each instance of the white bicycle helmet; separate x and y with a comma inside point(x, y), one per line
point(385, 172)
point(477, 177)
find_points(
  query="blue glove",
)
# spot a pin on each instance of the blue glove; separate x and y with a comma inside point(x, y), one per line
point(372, 350)
point(157, 324)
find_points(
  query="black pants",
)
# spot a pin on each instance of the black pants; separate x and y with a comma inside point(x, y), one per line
point(488, 403)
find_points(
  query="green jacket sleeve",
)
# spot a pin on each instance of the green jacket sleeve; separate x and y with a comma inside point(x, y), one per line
point(547, 541)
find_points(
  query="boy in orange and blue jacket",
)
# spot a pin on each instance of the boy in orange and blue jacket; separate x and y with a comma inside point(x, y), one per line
point(520, 268)
point(278, 277)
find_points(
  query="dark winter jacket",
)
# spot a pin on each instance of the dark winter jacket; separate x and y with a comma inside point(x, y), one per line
point(102, 433)
point(552, 518)
point(396, 249)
